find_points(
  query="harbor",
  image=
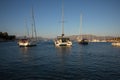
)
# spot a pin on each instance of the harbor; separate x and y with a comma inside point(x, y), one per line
point(96, 61)
point(59, 40)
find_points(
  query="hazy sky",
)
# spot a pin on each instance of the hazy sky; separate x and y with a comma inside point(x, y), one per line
point(100, 17)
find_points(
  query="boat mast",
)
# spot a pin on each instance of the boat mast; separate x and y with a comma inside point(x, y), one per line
point(27, 28)
point(32, 29)
point(33, 25)
point(62, 19)
point(81, 25)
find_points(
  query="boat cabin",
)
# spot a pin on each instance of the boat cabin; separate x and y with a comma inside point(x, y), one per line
point(63, 39)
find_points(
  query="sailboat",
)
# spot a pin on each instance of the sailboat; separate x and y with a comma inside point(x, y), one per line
point(116, 42)
point(82, 40)
point(62, 40)
point(27, 42)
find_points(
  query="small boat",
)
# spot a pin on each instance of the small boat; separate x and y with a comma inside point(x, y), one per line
point(27, 42)
point(116, 43)
point(82, 40)
point(63, 41)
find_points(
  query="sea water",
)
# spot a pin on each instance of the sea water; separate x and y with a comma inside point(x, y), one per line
point(95, 61)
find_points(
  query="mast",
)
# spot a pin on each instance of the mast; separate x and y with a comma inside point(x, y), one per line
point(32, 30)
point(27, 28)
point(33, 25)
point(81, 25)
point(62, 19)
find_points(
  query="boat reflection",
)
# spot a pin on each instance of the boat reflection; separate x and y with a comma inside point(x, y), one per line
point(64, 50)
point(25, 54)
point(24, 50)
point(63, 57)
point(63, 53)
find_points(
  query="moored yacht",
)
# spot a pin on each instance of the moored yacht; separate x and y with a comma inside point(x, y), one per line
point(82, 40)
point(116, 43)
point(62, 40)
point(26, 42)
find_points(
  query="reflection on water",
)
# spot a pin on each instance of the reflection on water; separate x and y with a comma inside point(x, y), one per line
point(24, 50)
point(96, 61)
point(63, 54)
point(25, 54)
point(63, 50)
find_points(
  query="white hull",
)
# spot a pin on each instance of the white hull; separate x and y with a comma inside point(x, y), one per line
point(59, 43)
point(27, 43)
point(116, 44)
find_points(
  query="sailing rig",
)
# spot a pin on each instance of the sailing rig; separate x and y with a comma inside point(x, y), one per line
point(62, 40)
point(82, 40)
point(27, 42)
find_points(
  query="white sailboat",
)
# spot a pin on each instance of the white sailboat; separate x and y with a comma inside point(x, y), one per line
point(81, 40)
point(116, 42)
point(62, 40)
point(27, 42)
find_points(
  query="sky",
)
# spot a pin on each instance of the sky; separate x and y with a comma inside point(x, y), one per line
point(99, 17)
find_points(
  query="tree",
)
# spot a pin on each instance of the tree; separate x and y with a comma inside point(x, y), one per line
point(1, 34)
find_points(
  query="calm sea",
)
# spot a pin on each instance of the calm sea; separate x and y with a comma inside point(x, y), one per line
point(96, 61)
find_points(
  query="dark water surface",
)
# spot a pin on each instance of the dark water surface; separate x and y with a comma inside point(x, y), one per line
point(96, 61)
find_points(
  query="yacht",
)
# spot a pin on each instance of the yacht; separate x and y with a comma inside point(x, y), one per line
point(62, 40)
point(26, 42)
point(82, 40)
point(116, 43)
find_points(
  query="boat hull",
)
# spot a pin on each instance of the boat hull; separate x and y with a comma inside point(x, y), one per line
point(63, 41)
point(63, 44)
point(30, 45)
point(84, 43)
point(27, 43)
point(116, 44)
